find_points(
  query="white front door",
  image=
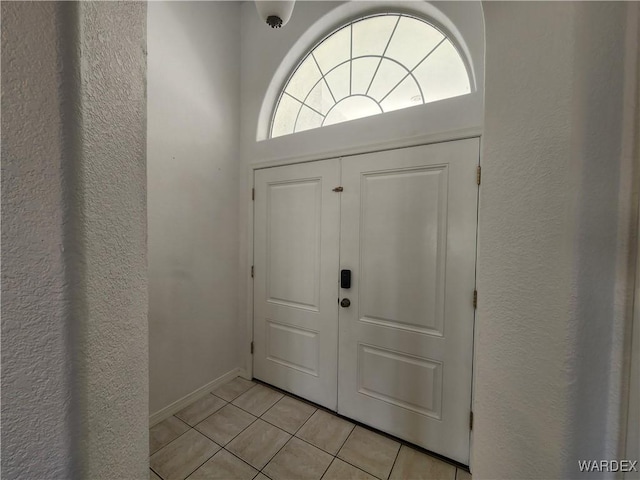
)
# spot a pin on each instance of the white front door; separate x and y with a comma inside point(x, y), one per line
point(408, 233)
point(399, 357)
point(296, 231)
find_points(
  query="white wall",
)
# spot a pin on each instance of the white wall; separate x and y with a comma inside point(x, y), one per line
point(553, 240)
point(74, 287)
point(193, 166)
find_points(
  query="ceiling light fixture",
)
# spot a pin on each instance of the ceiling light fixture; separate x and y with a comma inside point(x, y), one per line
point(275, 13)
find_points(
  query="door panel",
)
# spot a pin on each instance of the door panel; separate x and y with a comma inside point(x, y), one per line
point(402, 254)
point(293, 243)
point(295, 286)
point(408, 233)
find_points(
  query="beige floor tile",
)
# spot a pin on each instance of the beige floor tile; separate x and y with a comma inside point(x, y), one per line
point(165, 432)
point(258, 443)
point(289, 414)
point(419, 466)
point(462, 475)
point(298, 460)
point(325, 431)
point(153, 476)
point(225, 424)
point(182, 456)
point(370, 451)
point(200, 409)
point(261, 477)
point(224, 466)
point(340, 470)
point(257, 400)
point(234, 388)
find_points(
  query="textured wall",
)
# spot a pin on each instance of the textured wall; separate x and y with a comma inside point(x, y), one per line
point(193, 167)
point(552, 245)
point(74, 299)
point(112, 191)
point(524, 252)
point(37, 392)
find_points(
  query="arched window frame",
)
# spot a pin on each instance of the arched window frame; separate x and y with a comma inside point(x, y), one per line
point(447, 35)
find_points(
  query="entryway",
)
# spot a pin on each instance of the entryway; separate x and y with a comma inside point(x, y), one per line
point(364, 285)
point(242, 428)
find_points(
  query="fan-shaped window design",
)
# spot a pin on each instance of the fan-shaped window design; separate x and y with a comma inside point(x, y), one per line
point(373, 65)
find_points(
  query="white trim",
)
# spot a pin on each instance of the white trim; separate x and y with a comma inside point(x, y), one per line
point(249, 356)
point(178, 405)
point(413, 141)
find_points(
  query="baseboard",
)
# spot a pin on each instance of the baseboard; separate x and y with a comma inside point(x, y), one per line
point(178, 405)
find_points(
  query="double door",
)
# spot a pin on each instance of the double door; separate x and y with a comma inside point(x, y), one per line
point(392, 349)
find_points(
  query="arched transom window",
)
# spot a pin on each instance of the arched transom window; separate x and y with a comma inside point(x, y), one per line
point(373, 65)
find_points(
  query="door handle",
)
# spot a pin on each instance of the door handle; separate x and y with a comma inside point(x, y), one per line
point(345, 303)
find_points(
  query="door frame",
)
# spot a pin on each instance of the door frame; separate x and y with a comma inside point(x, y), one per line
point(415, 141)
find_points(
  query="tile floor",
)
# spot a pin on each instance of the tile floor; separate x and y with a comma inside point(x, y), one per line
point(244, 430)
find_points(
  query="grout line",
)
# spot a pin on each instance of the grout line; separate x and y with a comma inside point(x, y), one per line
point(241, 459)
point(156, 472)
point(395, 460)
point(295, 434)
point(279, 450)
point(212, 413)
point(257, 416)
point(277, 426)
point(180, 420)
point(318, 447)
point(315, 446)
point(256, 419)
point(207, 459)
point(167, 444)
point(237, 396)
point(204, 461)
point(358, 468)
point(333, 460)
point(326, 469)
point(345, 440)
point(239, 433)
point(224, 400)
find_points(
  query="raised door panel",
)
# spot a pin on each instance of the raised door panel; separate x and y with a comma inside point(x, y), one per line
point(402, 248)
point(293, 243)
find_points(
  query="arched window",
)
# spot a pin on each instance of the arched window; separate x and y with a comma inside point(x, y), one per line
point(373, 65)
